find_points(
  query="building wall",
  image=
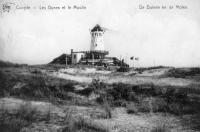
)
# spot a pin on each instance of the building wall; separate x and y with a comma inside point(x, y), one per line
point(76, 57)
point(79, 56)
point(97, 41)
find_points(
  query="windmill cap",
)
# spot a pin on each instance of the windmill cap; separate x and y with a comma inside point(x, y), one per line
point(97, 28)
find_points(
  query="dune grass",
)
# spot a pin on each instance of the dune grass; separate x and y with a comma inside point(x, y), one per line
point(136, 98)
point(15, 121)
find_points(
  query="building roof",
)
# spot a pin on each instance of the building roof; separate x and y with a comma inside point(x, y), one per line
point(97, 28)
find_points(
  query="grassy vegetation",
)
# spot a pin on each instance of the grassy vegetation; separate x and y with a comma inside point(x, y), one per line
point(34, 84)
point(80, 124)
point(145, 98)
point(83, 125)
point(142, 69)
point(161, 128)
point(38, 86)
point(132, 109)
point(9, 64)
point(15, 121)
point(184, 73)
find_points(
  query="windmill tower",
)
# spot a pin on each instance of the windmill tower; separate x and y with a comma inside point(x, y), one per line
point(97, 43)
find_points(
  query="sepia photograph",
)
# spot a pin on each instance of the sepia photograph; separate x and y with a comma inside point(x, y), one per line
point(99, 66)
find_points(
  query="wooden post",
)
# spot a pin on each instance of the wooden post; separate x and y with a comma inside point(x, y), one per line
point(92, 58)
point(66, 59)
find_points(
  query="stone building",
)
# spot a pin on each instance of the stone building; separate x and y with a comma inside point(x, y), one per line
point(97, 55)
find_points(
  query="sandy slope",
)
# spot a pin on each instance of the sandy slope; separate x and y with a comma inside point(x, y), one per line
point(120, 122)
point(153, 76)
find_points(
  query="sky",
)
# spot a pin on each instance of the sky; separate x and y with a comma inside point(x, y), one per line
point(157, 36)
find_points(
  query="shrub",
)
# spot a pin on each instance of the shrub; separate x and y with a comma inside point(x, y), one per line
point(69, 120)
point(14, 122)
point(6, 83)
point(106, 101)
point(148, 89)
point(68, 87)
point(175, 95)
point(83, 125)
point(158, 105)
point(36, 71)
point(123, 69)
point(86, 91)
point(152, 104)
point(107, 109)
point(44, 87)
point(161, 128)
point(36, 87)
point(183, 72)
point(99, 114)
point(131, 109)
point(3, 81)
point(97, 86)
point(26, 112)
point(122, 91)
point(86, 125)
point(175, 108)
point(145, 105)
point(120, 103)
point(104, 113)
